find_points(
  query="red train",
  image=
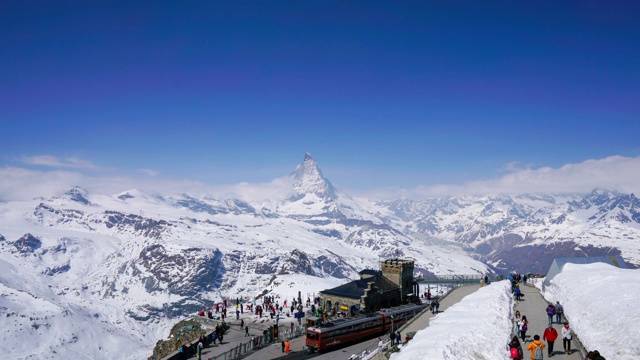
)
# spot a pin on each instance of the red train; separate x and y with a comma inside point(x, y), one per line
point(339, 332)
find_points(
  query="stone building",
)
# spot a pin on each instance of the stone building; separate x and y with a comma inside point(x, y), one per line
point(392, 285)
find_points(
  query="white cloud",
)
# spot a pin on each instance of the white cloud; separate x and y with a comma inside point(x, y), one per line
point(614, 172)
point(52, 161)
point(148, 172)
point(25, 184)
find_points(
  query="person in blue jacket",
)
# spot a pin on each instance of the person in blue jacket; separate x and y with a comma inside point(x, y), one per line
point(558, 310)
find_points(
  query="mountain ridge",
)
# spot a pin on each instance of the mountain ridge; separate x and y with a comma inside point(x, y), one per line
point(145, 259)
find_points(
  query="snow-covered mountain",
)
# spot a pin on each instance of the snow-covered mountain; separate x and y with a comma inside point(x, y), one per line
point(108, 274)
point(525, 233)
point(105, 275)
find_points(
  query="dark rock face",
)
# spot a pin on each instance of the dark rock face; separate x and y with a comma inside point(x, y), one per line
point(328, 233)
point(333, 266)
point(57, 270)
point(125, 197)
point(266, 266)
point(186, 273)
point(2, 238)
point(78, 194)
point(61, 215)
point(27, 244)
point(297, 263)
point(150, 228)
point(231, 206)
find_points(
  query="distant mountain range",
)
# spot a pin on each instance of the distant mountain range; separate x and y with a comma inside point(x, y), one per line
point(134, 260)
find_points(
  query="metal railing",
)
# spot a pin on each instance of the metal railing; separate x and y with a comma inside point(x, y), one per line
point(375, 349)
point(456, 279)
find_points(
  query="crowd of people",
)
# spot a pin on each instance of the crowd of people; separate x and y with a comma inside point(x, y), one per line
point(537, 346)
point(271, 306)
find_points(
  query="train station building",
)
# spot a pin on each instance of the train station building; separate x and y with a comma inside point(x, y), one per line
point(390, 286)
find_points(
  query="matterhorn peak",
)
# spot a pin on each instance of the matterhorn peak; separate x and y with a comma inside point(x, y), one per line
point(308, 157)
point(308, 179)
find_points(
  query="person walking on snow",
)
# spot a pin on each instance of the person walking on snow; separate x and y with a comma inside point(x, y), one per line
point(550, 335)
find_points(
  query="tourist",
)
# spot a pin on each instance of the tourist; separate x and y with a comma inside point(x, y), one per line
point(536, 347)
point(515, 349)
point(558, 310)
point(516, 321)
point(551, 310)
point(523, 328)
point(550, 335)
point(566, 337)
point(518, 292)
point(199, 350)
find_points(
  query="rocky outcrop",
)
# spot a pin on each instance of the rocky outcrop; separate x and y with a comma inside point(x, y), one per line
point(57, 269)
point(186, 272)
point(27, 244)
point(149, 228)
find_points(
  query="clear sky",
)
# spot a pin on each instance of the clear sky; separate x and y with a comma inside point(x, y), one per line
point(383, 94)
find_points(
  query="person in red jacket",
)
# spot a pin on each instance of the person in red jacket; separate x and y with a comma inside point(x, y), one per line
point(550, 334)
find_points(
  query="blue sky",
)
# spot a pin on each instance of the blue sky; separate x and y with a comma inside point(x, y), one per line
point(383, 94)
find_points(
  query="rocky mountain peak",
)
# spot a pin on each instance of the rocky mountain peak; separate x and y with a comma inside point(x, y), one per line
point(599, 196)
point(27, 243)
point(78, 195)
point(308, 179)
point(308, 156)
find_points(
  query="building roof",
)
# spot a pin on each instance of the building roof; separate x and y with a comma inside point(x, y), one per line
point(369, 272)
point(355, 289)
point(558, 263)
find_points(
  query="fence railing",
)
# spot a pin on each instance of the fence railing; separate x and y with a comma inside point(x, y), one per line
point(241, 349)
point(375, 349)
point(456, 279)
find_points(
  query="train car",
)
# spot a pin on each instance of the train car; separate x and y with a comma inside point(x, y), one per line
point(397, 316)
point(340, 332)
